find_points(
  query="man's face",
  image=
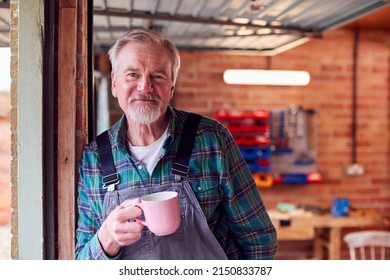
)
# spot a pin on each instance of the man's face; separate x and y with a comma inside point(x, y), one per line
point(143, 82)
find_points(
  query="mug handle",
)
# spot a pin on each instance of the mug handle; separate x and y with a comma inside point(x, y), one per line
point(143, 222)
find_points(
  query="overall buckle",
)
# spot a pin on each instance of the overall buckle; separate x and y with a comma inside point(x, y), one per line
point(110, 181)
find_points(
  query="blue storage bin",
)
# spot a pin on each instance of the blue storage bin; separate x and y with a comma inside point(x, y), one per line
point(254, 166)
point(255, 153)
point(294, 178)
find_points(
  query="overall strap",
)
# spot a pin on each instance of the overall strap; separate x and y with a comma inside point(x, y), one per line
point(180, 166)
point(109, 174)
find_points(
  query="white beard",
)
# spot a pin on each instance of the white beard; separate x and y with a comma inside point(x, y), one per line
point(145, 114)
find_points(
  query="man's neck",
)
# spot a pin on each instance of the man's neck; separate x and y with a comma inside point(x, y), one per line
point(146, 134)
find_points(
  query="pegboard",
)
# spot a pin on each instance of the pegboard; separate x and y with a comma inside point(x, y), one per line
point(279, 145)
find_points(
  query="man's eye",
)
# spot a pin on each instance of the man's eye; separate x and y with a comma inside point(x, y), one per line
point(131, 75)
point(159, 77)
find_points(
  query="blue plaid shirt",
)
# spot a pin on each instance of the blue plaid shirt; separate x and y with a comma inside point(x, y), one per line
point(219, 177)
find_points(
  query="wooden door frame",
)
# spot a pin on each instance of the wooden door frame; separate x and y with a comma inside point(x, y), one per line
point(74, 93)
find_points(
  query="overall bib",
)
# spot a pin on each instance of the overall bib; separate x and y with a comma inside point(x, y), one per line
point(193, 240)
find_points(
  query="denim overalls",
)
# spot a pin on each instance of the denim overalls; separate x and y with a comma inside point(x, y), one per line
point(194, 239)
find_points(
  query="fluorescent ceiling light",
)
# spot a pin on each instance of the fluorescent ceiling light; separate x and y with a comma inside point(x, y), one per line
point(266, 77)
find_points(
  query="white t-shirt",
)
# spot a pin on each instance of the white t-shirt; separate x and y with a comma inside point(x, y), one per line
point(149, 155)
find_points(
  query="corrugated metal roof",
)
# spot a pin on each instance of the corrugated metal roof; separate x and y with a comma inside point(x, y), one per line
point(268, 26)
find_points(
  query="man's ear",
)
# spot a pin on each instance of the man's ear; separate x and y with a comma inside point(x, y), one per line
point(113, 84)
point(172, 91)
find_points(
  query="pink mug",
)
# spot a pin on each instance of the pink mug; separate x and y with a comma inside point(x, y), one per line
point(161, 212)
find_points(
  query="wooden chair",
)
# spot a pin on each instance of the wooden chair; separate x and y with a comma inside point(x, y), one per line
point(377, 241)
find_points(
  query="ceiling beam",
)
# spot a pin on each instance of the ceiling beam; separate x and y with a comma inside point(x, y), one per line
point(202, 20)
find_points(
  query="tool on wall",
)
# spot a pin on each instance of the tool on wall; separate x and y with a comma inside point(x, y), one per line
point(277, 144)
point(295, 161)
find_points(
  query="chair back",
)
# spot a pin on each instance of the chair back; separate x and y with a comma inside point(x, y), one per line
point(368, 244)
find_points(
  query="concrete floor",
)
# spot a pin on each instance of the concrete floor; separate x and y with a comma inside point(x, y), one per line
point(5, 242)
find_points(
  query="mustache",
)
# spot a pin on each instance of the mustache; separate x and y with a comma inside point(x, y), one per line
point(149, 97)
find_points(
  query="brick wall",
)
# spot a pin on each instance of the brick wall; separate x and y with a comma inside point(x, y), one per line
point(201, 89)
point(14, 12)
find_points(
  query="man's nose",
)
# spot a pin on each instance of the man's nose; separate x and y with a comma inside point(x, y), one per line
point(145, 84)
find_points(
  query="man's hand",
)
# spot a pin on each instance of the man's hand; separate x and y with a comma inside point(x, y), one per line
point(117, 230)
